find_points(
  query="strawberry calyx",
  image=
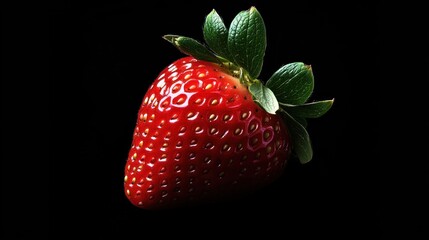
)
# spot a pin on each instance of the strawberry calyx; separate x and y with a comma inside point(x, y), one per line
point(199, 51)
point(240, 51)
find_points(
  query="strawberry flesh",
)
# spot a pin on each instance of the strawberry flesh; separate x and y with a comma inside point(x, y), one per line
point(200, 137)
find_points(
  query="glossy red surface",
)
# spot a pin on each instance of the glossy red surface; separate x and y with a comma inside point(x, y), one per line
point(199, 136)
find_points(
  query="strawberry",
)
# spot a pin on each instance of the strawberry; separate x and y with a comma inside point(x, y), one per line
point(208, 129)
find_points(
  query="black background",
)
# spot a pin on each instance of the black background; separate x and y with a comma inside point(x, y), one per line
point(81, 71)
point(103, 58)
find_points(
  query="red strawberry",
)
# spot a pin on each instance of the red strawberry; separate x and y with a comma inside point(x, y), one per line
point(208, 129)
point(199, 133)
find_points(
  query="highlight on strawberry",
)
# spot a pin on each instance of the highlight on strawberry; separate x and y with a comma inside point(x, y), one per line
point(208, 129)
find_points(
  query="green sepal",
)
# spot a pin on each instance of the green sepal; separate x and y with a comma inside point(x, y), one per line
point(216, 35)
point(308, 110)
point(264, 97)
point(192, 47)
point(301, 121)
point(300, 139)
point(292, 83)
point(247, 41)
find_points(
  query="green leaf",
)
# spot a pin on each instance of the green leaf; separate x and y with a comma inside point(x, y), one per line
point(300, 139)
point(192, 47)
point(247, 41)
point(308, 110)
point(292, 83)
point(301, 121)
point(264, 97)
point(216, 35)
